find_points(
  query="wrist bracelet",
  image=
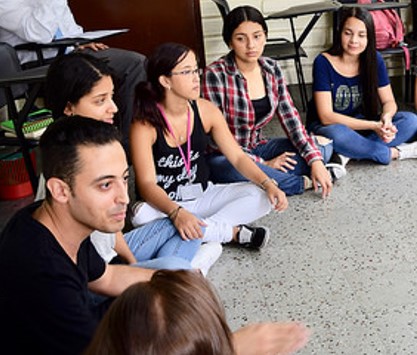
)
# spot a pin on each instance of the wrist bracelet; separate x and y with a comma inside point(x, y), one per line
point(174, 217)
point(263, 183)
point(174, 213)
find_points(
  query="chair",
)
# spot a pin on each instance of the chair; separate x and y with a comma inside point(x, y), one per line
point(16, 83)
point(284, 49)
point(395, 51)
point(279, 49)
point(223, 7)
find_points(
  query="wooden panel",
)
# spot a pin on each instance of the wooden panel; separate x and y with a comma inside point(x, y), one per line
point(150, 22)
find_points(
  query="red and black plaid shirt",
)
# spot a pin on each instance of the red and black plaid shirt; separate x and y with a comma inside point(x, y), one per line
point(224, 85)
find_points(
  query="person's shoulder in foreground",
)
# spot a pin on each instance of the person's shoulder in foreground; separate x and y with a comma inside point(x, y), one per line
point(43, 298)
point(47, 261)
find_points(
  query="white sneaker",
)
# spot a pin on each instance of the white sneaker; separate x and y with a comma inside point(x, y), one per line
point(407, 151)
point(134, 215)
point(336, 171)
point(336, 166)
point(206, 256)
point(137, 206)
point(344, 160)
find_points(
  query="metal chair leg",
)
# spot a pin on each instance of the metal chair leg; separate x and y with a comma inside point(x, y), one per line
point(19, 119)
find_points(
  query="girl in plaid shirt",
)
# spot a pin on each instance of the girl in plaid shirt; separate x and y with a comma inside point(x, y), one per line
point(250, 90)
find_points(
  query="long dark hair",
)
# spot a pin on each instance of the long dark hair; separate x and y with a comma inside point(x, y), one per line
point(237, 16)
point(70, 77)
point(367, 59)
point(148, 93)
point(175, 313)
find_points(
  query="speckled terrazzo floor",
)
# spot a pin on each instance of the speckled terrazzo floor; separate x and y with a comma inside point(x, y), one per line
point(345, 266)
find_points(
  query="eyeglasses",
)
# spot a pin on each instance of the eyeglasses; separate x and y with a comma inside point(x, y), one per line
point(188, 72)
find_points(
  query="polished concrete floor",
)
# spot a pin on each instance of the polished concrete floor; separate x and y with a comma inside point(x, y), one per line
point(345, 266)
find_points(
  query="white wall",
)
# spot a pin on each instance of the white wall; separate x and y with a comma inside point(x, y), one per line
point(318, 40)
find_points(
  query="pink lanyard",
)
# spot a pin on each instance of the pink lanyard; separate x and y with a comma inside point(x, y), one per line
point(187, 160)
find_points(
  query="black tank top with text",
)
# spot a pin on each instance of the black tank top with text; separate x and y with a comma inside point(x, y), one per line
point(169, 164)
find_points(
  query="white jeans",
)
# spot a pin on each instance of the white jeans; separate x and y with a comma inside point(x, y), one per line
point(221, 207)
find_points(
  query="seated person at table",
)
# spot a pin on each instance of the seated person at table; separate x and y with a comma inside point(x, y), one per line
point(250, 90)
point(42, 21)
point(80, 84)
point(353, 101)
point(168, 139)
point(195, 322)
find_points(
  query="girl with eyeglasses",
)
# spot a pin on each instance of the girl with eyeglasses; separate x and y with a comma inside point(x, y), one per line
point(169, 136)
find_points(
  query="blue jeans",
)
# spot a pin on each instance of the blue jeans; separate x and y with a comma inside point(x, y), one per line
point(157, 245)
point(291, 183)
point(367, 144)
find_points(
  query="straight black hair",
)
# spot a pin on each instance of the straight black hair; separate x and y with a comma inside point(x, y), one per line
point(237, 16)
point(367, 60)
point(70, 77)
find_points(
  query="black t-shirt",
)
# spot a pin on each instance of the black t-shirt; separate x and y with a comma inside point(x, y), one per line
point(169, 165)
point(44, 302)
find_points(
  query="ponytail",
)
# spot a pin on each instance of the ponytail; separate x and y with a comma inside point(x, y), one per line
point(161, 62)
point(146, 105)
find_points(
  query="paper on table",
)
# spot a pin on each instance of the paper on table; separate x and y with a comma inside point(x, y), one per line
point(98, 34)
